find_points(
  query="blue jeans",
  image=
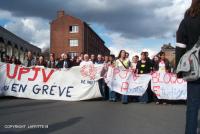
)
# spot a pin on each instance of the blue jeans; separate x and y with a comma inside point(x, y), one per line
point(193, 103)
point(101, 83)
point(112, 95)
point(144, 98)
point(124, 98)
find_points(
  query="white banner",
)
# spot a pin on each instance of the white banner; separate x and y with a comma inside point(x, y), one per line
point(164, 85)
point(168, 86)
point(77, 83)
point(126, 82)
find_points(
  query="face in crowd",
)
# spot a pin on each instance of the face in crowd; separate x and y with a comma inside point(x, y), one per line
point(106, 58)
point(29, 55)
point(86, 57)
point(135, 59)
point(51, 57)
point(122, 54)
point(41, 59)
point(143, 56)
point(156, 59)
point(162, 56)
point(99, 57)
point(127, 55)
point(92, 57)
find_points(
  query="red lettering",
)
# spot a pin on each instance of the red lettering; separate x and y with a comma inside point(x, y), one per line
point(8, 71)
point(116, 71)
point(46, 77)
point(124, 86)
point(23, 71)
point(36, 74)
point(166, 77)
point(155, 77)
point(123, 74)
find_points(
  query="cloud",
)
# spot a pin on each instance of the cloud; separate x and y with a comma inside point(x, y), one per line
point(35, 30)
point(126, 23)
point(133, 19)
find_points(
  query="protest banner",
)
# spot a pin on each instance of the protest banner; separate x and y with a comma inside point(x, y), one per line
point(168, 86)
point(124, 81)
point(77, 83)
point(164, 85)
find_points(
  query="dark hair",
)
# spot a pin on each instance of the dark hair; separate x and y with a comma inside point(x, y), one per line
point(113, 56)
point(120, 53)
point(194, 9)
point(162, 53)
point(136, 56)
point(144, 53)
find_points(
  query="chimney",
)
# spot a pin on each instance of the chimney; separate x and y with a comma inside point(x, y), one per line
point(60, 13)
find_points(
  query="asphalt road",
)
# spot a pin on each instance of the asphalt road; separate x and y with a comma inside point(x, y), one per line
point(89, 117)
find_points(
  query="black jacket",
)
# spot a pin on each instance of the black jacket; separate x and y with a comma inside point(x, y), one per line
point(188, 34)
point(61, 64)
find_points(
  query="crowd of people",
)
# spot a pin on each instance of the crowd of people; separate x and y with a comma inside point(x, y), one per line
point(142, 65)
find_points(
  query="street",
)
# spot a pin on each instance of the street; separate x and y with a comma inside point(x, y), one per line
point(89, 117)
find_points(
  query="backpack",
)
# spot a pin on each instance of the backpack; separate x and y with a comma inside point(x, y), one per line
point(189, 63)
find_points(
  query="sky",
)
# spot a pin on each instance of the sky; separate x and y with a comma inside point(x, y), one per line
point(133, 25)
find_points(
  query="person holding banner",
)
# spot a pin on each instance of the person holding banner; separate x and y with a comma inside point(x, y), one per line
point(187, 35)
point(162, 66)
point(86, 61)
point(64, 62)
point(29, 61)
point(123, 62)
point(144, 66)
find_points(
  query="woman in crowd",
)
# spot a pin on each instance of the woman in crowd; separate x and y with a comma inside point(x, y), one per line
point(41, 62)
point(164, 65)
point(52, 62)
point(123, 62)
point(144, 67)
point(134, 62)
point(161, 64)
point(187, 35)
point(155, 62)
point(93, 58)
point(12, 60)
point(76, 61)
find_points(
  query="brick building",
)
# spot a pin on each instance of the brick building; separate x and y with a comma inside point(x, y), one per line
point(74, 36)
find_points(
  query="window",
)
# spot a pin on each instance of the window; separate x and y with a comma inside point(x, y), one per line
point(73, 29)
point(73, 42)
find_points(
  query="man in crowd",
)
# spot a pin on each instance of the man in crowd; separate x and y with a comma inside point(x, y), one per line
point(29, 61)
point(64, 62)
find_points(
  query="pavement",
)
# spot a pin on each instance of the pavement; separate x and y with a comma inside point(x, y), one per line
point(27, 116)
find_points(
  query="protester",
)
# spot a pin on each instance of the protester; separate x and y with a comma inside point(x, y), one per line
point(144, 67)
point(92, 58)
point(187, 35)
point(164, 65)
point(101, 81)
point(155, 62)
point(134, 62)
point(111, 60)
point(12, 60)
point(86, 61)
point(64, 61)
point(52, 62)
point(99, 59)
point(29, 61)
point(41, 61)
point(123, 62)
point(76, 61)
